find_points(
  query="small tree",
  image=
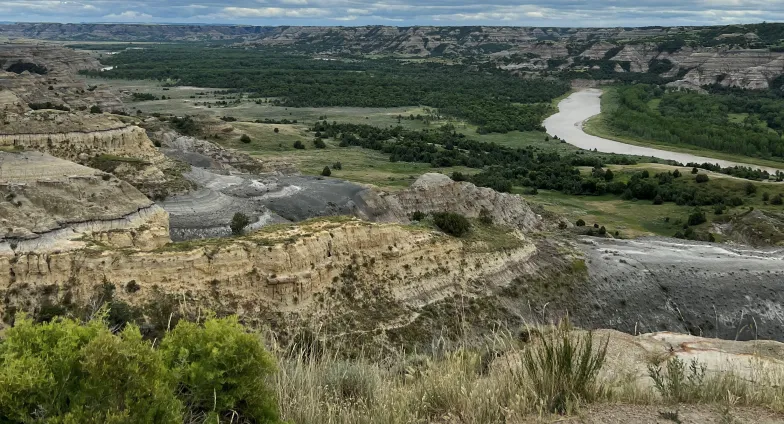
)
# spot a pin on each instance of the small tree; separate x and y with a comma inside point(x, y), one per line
point(676, 174)
point(326, 172)
point(276, 130)
point(658, 200)
point(702, 178)
point(418, 216)
point(452, 223)
point(777, 200)
point(238, 223)
point(319, 143)
point(245, 139)
point(750, 188)
point(298, 145)
point(695, 170)
point(96, 109)
point(765, 196)
point(580, 223)
point(608, 175)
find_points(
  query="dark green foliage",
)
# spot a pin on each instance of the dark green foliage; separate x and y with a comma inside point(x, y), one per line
point(337, 165)
point(298, 145)
point(326, 172)
point(658, 200)
point(276, 130)
point(185, 125)
point(238, 223)
point(140, 97)
point(702, 178)
point(452, 223)
point(580, 223)
point(95, 109)
point(493, 99)
point(485, 218)
point(676, 174)
point(695, 170)
point(765, 196)
point(602, 230)
point(750, 188)
point(418, 216)
point(48, 105)
point(686, 118)
point(245, 139)
point(777, 200)
point(33, 68)
point(697, 217)
point(319, 143)
point(608, 175)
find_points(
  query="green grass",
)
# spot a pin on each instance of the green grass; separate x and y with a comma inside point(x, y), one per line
point(598, 126)
point(633, 218)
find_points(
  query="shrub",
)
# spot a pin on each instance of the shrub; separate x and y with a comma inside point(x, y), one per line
point(238, 223)
point(485, 218)
point(750, 188)
point(702, 178)
point(658, 200)
point(319, 143)
point(83, 373)
point(245, 139)
point(580, 223)
point(337, 165)
point(276, 130)
point(697, 217)
point(418, 216)
point(562, 368)
point(777, 200)
point(96, 109)
point(221, 370)
point(602, 230)
point(452, 223)
point(608, 175)
point(458, 176)
point(326, 172)
point(695, 170)
point(676, 173)
point(298, 145)
point(765, 196)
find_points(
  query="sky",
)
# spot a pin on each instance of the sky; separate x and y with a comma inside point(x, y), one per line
point(582, 13)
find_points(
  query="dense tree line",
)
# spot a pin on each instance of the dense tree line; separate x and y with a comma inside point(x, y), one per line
point(684, 118)
point(502, 168)
point(491, 98)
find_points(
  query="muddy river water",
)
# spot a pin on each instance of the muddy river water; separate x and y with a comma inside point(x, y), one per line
point(567, 124)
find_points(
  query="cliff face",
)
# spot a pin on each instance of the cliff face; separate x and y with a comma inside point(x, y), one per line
point(287, 269)
point(48, 204)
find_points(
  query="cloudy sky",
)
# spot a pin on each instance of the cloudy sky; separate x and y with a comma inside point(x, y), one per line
point(399, 12)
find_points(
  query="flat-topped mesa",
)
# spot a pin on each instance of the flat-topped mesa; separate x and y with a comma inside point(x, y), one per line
point(49, 204)
point(438, 193)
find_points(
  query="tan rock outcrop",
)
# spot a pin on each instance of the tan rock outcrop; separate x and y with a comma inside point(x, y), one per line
point(439, 193)
point(49, 204)
point(281, 270)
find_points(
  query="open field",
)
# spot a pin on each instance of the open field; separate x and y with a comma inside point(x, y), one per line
point(634, 218)
point(597, 126)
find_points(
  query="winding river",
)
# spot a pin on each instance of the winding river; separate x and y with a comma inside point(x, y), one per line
point(567, 124)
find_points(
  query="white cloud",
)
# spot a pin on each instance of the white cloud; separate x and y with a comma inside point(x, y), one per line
point(128, 15)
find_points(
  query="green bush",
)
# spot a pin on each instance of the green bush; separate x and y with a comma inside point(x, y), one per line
point(452, 223)
point(678, 383)
point(298, 145)
point(485, 217)
point(95, 109)
point(319, 143)
point(697, 217)
point(77, 373)
point(245, 139)
point(238, 223)
point(418, 216)
point(776, 200)
point(221, 369)
point(337, 165)
point(580, 223)
point(326, 172)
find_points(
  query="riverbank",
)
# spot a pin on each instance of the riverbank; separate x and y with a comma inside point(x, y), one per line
point(574, 112)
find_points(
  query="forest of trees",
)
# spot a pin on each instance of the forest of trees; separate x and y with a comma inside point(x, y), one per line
point(494, 100)
point(685, 118)
point(502, 168)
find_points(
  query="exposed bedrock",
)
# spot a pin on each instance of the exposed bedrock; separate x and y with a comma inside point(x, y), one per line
point(654, 284)
point(50, 204)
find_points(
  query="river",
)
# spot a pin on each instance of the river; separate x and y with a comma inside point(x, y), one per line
point(573, 111)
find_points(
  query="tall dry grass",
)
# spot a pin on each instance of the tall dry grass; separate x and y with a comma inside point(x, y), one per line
point(557, 372)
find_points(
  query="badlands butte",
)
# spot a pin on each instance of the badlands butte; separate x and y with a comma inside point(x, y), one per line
point(99, 204)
